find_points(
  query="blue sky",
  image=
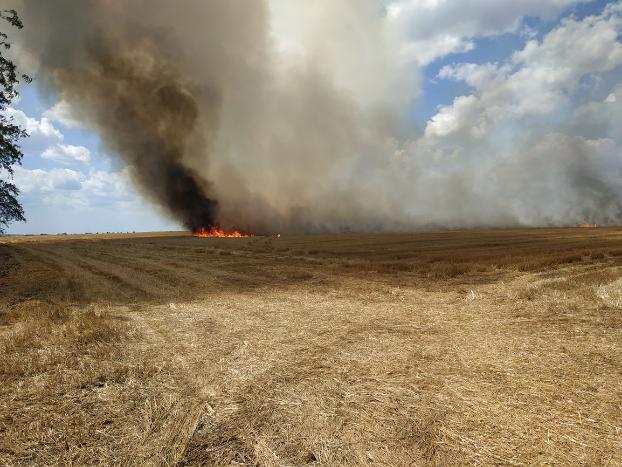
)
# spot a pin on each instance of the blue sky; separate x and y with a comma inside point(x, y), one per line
point(69, 183)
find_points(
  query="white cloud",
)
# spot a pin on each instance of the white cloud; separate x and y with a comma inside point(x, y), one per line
point(425, 51)
point(38, 181)
point(435, 28)
point(74, 188)
point(42, 132)
point(477, 76)
point(45, 139)
point(61, 112)
point(67, 153)
point(576, 48)
point(104, 184)
point(463, 115)
point(541, 79)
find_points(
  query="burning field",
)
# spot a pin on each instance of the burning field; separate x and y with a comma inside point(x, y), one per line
point(490, 347)
point(217, 232)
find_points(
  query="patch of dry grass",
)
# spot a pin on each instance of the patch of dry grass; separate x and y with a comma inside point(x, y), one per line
point(56, 363)
point(78, 383)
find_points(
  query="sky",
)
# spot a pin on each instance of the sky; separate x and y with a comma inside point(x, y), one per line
point(544, 71)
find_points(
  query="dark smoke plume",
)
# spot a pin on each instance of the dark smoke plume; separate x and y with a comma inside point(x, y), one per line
point(117, 77)
point(147, 115)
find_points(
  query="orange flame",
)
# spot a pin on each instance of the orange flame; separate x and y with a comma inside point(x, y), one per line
point(215, 232)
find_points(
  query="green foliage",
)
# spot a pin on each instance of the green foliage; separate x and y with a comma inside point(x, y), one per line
point(10, 133)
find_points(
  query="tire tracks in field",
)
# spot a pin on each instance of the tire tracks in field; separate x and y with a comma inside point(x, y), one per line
point(163, 277)
point(152, 278)
point(211, 273)
point(78, 267)
point(173, 278)
point(49, 279)
point(166, 442)
point(175, 436)
point(174, 273)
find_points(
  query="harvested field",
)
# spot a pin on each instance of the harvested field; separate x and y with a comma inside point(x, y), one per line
point(474, 347)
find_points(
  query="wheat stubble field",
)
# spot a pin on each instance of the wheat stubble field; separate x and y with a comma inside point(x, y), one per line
point(480, 347)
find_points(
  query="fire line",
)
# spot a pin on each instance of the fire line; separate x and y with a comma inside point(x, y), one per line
point(215, 232)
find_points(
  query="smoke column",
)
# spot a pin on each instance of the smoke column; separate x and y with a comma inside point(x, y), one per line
point(180, 91)
point(122, 77)
point(284, 115)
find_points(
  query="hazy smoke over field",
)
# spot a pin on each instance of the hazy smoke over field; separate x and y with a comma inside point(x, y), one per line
point(285, 115)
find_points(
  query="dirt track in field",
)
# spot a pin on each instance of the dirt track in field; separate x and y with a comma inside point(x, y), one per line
point(497, 347)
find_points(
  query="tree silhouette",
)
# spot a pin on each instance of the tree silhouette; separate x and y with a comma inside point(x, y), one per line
point(10, 133)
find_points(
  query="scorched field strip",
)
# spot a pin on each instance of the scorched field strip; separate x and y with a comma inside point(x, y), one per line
point(490, 347)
